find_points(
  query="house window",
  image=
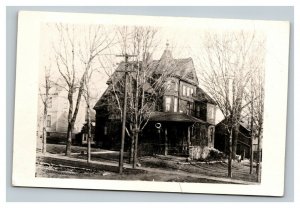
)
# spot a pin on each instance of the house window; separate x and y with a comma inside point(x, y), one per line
point(188, 108)
point(105, 130)
point(168, 104)
point(175, 86)
point(48, 121)
point(168, 84)
point(184, 90)
point(210, 113)
point(49, 104)
point(175, 104)
point(84, 137)
point(188, 90)
point(198, 110)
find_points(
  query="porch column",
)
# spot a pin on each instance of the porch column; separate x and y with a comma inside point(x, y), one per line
point(166, 141)
point(188, 138)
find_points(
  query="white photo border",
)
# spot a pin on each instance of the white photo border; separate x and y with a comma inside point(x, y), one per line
point(26, 111)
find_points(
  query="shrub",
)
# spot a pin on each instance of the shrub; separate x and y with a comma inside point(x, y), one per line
point(212, 154)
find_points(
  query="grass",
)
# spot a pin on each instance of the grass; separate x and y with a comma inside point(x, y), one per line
point(169, 163)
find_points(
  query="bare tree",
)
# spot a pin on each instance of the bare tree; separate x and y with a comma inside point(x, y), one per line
point(88, 97)
point(227, 63)
point(255, 96)
point(45, 98)
point(75, 54)
point(145, 83)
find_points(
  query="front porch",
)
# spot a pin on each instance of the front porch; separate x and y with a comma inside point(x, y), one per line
point(176, 134)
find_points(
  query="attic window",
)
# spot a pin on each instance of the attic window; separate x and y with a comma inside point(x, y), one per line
point(190, 75)
point(169, 84)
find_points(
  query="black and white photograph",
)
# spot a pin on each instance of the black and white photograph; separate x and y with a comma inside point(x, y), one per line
point(155, 99)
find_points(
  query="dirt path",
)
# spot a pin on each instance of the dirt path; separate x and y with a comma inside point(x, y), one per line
point(158, 165)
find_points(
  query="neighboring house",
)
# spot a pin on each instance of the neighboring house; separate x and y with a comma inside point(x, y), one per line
point(57, 116)
point(243, 142)
point(185, 114)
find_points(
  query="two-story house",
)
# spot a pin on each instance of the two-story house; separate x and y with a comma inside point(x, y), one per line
point(57, 116)
point(182, 124)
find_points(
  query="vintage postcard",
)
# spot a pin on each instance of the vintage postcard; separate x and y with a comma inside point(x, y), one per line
point(166, 104)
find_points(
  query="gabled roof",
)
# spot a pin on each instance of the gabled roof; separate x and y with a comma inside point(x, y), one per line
point(102, 101)
point(180, 68)
point(202, 96)
point(242, 125)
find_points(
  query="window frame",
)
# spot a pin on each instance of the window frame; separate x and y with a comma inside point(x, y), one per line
point(168, 104)
point(175, 107)
point(48, 121)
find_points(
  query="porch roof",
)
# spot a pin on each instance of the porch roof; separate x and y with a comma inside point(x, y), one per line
point(174, 117)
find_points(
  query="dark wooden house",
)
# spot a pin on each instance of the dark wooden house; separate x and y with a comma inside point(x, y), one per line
point(243, 142)
point(183, 123)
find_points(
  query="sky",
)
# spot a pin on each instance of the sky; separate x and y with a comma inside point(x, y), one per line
point(184, 42)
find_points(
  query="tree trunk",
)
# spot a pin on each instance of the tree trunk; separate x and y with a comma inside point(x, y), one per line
point(44, 135)
point(230, 154)
point(252, 133)
point(235, 140)
point(45, 102)
point(258, 156)
point(69, 138)
point(135, 156)
point(166, 142)
point(89, 132)
point(70, 126)
point(44, 147)
point(131, 152)
point(251, 154)
point(72, 116)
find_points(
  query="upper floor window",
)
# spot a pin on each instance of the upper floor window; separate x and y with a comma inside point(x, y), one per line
point(184, 90)
point(168, 103)
point(187, 91)
point(210, 112)
point(175, 104)
point(48, 121)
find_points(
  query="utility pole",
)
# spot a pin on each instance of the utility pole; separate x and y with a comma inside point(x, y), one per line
point(121, 162)
point(252, 130)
